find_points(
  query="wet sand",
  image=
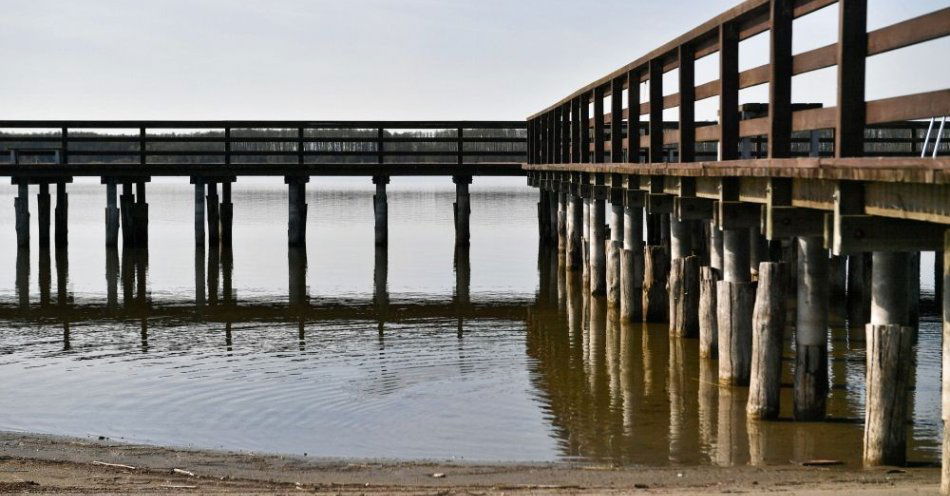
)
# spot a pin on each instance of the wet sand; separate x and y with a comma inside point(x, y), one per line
point(59, 465)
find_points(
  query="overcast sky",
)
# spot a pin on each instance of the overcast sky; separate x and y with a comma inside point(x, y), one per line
point(375, 59)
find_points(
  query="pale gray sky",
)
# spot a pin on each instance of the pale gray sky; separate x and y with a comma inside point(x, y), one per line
point(375, 59)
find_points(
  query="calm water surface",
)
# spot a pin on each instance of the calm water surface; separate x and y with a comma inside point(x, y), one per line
point(413, 352)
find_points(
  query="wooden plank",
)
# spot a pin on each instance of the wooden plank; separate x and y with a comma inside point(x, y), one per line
point(687, 104)
point(902, 108)
point(754, 127)
point(656, 112)
point(852, 51)
point(780, 84)
point(910, 32)
point(816, 118)
point(728, 92)
point(616, 119)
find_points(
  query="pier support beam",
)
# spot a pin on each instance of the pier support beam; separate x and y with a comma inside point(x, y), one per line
point(140, 213)
point(21, 206)
point(598, 259)
point(615, 248)
point(112, 214)
point(684, 281)
point(381, 210)
point(735, 296)
point(226, 213)
point(61, 215)
point(199, 212)
point(768, 324)
point(297, 210)
point(575, 226)
point(631, 264)
point(463, 210)
point(889, 362)
point(43, 214)
point(811, 330)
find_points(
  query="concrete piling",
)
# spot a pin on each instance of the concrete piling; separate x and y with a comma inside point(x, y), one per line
point(811, 330)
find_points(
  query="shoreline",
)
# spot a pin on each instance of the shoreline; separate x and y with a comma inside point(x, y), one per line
point(55, 464)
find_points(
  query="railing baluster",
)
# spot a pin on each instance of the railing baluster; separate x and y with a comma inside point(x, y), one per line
point(852, 51)
point(780, 80)
point(599, 124)
point(728, 92)
point(687, 89)
point(566, 133)
point(656, 111)
point(576, 130)
point(300, 145)
point(460, 146)
point(142, 146)
point(585, 128)
point(616, 120)
point(633, 119)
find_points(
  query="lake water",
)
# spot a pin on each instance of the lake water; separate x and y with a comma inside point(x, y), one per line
point(415, 352)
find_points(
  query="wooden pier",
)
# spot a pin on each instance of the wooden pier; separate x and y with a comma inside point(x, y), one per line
point(770, 200)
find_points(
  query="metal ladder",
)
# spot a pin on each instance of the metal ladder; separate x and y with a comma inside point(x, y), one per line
point(930, 128)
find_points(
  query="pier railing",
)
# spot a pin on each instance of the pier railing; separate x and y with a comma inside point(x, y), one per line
point(155, 147)
point(592, 123)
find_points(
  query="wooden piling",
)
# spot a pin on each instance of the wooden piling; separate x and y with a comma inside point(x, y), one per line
point(768, 324)
point(715, 247)
point(463, 209)
point(112, 215)
point(297, 210)
point(631, 264)
point(226, 216)
point(942, 280)
point(214, 214)
point(199, 212)
point(614, 253)
point(598, 261)
point(655, 272)
point(684, 297)
point(575, 225)
point(61, 216)
point(889, 358)
point(562, 220)
point(21, 206)
point(708, 328)
point(811, 330)
point(585, 242)
point(43, 214)
point(381, 210)
point(735, 301)
point(140, 213)
point(544, 224)
point(126, 204)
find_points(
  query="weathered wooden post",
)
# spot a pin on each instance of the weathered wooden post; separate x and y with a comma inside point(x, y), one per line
point(575, 225)
point(463, 209)
point(811, 330)
point(585, 232)
point(735, 296)
point(631, 264)
point(381, 210)
point(543, 217)
point(226, 213)
point(768, 324)
point(199, 211)
point(126, 204)
point(43, 214)
point(297, 265)
point(214, 214)
point(381, 282)
point(140, 213)
point(889, 359)
point(297, 210)
point(21, 206)
point(61, 215)
point(598, 261)
point(943, 280)
point(562, 201)
point(683, 282)
point(615, 245)
point(708, 324)
point(112, 214)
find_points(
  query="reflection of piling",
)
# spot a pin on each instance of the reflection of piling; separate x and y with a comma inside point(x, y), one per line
point(200, 274)
point(381, 282)
point(297, 262)
point(112, 277)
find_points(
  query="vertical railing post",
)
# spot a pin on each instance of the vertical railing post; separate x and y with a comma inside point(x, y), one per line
point(656, 111)
point(687, 89)
point(227, 146)
point(142, 145)
point(585, 128)
point(300, 146)
point(599, 125)
point(530, 140)
point(852, 50)
point(728, 92)
point(633, 117)
point(576, 130)
point(459, 145)
point(616, 119)
point(566, 133)
point(64, 152)
point(558, 122)
point(780, 80)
